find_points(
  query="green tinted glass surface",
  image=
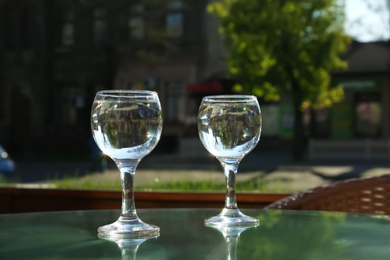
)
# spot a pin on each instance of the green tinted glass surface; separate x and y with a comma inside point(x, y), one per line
point(281, 235)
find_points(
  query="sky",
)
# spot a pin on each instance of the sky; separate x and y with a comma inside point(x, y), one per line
point(368, 20)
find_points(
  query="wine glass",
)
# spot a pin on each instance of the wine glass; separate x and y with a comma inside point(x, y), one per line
point(127, 125)
point(229, 127)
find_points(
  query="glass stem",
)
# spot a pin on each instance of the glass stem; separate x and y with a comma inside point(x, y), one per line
point(128, 254)
point(127, 172)
point(230, 170)
point(232, 247)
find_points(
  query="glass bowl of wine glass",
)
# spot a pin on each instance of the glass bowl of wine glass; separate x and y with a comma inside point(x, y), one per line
point(126, 126)
point(229, 127)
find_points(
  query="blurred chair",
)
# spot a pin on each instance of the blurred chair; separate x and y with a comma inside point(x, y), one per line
point(370, 195)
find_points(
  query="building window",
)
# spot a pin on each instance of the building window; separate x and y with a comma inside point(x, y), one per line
point(100, 26)
point(175, 102)
point(136, 22)
point(321, 123)
point(28, 29)
point(270, 117)
point(11, 29)
point(67, 28)
point(72, 104)
point(368, 114)
point(174, 19)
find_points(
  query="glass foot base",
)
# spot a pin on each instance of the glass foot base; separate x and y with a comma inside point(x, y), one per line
point(128, 227)
point(231, 218)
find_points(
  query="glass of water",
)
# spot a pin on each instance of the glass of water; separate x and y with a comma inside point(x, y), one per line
point(229, 127)
point(127, 125)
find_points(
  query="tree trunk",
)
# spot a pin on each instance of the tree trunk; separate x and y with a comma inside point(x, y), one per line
point(297, 95)
point(298, 124)
point(313, 125)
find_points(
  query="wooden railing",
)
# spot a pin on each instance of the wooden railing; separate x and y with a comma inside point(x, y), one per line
point(15, 200)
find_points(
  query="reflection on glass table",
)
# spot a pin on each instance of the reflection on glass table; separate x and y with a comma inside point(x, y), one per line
point(128, 246)
point(231, 235)
point(281, 234)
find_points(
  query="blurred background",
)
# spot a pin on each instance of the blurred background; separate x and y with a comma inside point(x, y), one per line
point(56, 54)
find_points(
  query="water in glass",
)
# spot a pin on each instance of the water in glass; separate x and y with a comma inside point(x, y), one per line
point(229, 127)
point(126, 129)
point(127, 125)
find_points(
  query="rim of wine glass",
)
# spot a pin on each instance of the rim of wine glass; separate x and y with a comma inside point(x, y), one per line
point(136, 93)
point(229, 98)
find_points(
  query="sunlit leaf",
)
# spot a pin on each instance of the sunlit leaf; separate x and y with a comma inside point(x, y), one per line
point(275, 43)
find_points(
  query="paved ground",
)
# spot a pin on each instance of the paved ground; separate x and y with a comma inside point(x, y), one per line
point(274, 167)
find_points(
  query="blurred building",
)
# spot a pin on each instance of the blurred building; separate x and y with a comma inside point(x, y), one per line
point(55, 55)
point(358, 127)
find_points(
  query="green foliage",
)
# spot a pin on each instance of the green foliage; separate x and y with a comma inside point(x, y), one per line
point(112, 134)
point(4, 180)
point(255, 185)
point(307, 238)
point(73, 181)
point(278, 44)
point(225, 134)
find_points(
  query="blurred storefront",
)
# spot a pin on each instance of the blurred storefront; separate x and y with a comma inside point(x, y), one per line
point(358, 127)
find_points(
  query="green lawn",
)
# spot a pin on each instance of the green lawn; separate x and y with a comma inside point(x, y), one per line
point(256, 185)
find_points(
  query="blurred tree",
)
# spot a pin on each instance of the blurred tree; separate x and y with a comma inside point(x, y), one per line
point(280, 47)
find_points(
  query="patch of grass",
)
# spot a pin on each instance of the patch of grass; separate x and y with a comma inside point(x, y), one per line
point(255, 185)
point(259, 185)
point(4, 180)
point(73, 181)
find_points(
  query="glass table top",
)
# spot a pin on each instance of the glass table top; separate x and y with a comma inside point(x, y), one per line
point(280, 235)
